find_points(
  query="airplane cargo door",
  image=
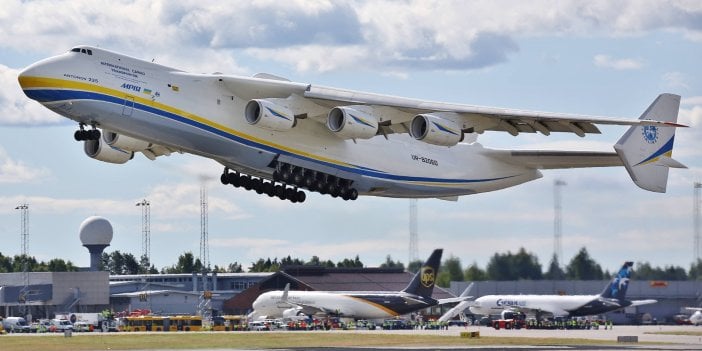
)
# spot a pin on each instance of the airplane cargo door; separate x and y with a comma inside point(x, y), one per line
point(128, 107)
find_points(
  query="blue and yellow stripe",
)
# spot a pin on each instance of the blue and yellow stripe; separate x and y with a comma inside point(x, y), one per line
point(48, 90)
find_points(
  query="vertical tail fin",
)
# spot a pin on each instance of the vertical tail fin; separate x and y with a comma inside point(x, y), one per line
point(646, 150)
point(423, 282)
point(616, 289)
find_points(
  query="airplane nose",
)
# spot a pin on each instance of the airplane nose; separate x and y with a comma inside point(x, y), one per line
point(25, 74)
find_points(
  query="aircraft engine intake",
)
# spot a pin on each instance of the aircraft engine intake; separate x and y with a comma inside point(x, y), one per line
point(348, 122)
point(266, 114)
point(99, 150)
point(435, 130)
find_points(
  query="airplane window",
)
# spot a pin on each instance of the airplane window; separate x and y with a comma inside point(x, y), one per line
point(90, 52)
point(75, 50)
point(83, 51)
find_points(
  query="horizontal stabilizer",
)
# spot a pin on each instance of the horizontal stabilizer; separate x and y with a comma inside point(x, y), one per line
point(643, 302)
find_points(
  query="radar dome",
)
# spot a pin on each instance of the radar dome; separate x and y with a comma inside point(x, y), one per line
point(95, 230)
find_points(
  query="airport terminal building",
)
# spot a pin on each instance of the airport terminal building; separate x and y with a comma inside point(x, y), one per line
point(45, 294)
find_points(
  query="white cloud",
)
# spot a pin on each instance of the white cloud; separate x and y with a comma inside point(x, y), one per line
point(13, 171)
point(691, 100)
point(605, 61)
point(328, 35)
point(16, 108)
point(675, 80)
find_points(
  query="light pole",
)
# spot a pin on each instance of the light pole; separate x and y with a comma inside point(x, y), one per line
point(145, 230)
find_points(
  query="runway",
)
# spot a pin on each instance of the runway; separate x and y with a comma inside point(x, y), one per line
point(645, 334)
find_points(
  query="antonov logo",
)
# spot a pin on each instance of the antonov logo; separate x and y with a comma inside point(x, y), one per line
point(650, 134)
point(427, 277)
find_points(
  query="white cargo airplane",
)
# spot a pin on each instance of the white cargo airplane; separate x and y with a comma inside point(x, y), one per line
point(613, 297)
point(292, 304)
point(275, 136)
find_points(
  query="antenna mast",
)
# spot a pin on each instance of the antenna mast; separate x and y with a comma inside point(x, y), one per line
point(145, 230)
point(204, 240)
point(414, 236)
point(557, 220)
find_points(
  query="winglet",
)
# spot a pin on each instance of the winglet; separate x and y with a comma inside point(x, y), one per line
point(646, 149)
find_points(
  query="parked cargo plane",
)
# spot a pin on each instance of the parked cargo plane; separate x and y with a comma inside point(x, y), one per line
point(613, 297)
point(291, 304)
point(275, 136)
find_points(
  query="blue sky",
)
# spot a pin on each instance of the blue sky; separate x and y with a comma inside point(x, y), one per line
point(585, 57)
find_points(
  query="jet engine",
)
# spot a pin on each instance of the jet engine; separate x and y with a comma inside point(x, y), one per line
point(266, 114)
point(349, 122)
point(436, 130)
point(293, 313)
point(99, 150)
point(123, 142)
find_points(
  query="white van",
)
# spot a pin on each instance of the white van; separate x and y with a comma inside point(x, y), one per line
point(15, 325)
point(61, 325)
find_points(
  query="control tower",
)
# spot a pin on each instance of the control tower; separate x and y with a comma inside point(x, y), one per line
point(96, 235)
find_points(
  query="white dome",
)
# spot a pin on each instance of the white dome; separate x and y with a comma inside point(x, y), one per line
point(95, 230)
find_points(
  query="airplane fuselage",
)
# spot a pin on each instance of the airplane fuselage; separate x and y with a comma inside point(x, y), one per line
point(359, 305)
point(558, 305)
point(199, 114)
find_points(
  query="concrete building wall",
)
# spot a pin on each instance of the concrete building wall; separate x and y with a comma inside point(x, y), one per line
point(91, 287)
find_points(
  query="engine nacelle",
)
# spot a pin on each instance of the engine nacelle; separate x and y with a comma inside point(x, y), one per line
point(266, 114)
point(435, 130)
point(124, 142)
point(293, 314)
point(350, 122)
point(99, 150)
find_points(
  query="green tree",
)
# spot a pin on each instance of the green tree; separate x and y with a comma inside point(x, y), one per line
point(522, 265)
point(131, 266)
point(350, 263)
point(5, 264)
point(186, 264)
point(59, 265)
point(555, 272)
point(450, 270)
point(695, 270)
point(234, 268)
point(474, 273)
point(389, 263)
point(583, 267)
point(414, 266)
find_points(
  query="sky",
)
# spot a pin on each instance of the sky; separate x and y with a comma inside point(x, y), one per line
point(585, 57)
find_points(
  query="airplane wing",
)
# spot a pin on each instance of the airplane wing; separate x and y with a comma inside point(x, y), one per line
point(694, 308)
point(394, 114)
point(642, 302)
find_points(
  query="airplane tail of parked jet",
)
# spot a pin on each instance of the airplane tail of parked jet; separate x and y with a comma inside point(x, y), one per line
point(616, 289)
point(646, 150)
point(423, 282)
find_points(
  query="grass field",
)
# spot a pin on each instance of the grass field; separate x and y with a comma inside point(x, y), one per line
point(259, 340)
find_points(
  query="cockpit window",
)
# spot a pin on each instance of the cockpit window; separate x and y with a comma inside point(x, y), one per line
point(83, 51)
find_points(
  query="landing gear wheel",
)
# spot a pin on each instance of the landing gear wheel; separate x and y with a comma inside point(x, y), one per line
point(224, 178)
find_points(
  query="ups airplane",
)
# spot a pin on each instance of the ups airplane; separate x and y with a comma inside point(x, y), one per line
point(276, 137)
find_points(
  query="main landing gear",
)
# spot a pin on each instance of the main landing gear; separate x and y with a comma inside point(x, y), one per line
point(291, 178)
point(82, 134)
point(262, 187)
